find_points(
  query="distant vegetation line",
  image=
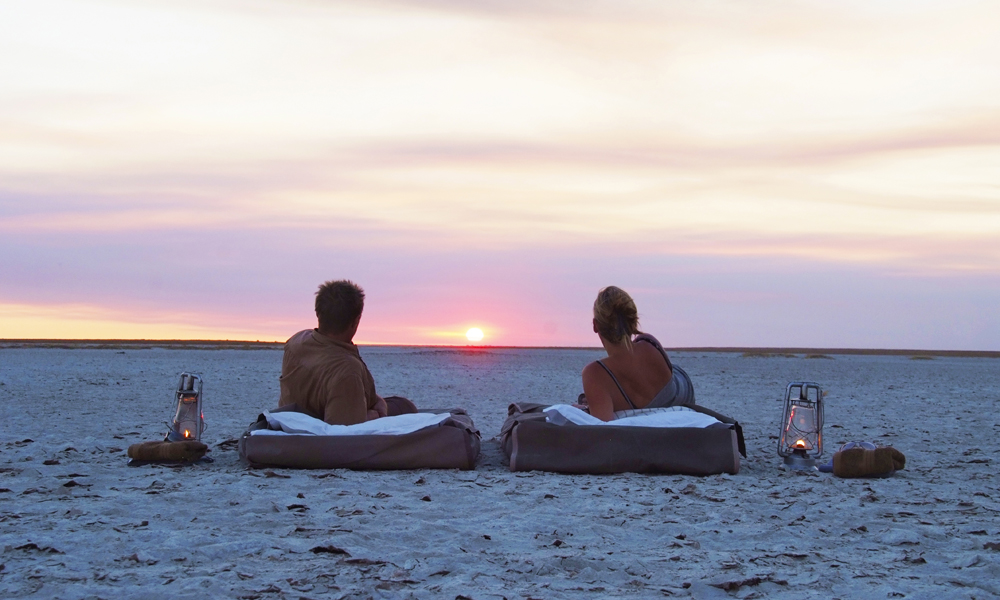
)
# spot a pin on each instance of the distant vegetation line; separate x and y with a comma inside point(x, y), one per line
point(823, 352)
point(747, 352)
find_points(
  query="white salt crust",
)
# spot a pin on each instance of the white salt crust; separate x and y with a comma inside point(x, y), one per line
point(75, 522)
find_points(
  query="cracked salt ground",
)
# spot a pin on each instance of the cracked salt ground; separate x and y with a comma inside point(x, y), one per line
point(75, 522)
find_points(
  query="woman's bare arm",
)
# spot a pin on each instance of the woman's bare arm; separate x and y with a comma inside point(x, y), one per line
point(598, 398)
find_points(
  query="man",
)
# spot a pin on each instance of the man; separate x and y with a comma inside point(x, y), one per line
point(322, 371)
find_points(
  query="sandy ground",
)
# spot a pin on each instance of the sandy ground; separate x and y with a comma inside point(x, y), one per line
point(76, 522)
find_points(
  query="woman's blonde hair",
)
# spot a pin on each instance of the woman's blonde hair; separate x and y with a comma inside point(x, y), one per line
point(615, 314)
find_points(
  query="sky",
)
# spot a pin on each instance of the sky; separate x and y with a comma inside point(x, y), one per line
point(774, 173)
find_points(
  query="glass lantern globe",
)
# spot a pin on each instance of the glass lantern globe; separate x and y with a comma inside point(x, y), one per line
point(801, 439)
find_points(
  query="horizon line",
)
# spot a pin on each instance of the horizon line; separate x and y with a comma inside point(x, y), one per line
point(750, 351)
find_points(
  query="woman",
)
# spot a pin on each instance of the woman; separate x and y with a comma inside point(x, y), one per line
point(637, 372)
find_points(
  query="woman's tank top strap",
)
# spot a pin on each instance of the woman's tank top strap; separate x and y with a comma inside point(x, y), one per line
point(615, 379)
point(645, 337)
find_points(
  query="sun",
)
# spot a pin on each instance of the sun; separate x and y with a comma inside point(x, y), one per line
point(474, 335)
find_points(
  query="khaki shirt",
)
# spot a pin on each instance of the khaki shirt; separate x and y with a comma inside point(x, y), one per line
point(327, 378)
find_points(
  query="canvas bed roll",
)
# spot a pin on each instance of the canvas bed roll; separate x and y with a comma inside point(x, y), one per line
point(531, 443)
point(451, 443)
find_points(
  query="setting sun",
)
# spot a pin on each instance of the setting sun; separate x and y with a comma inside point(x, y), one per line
point(474, 335)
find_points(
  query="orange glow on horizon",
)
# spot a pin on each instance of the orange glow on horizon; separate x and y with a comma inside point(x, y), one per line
point(79, 322)
point(86, 322)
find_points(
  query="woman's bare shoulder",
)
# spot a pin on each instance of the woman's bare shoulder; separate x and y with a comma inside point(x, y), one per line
point(648, 354)
point(644, 349)
point(591, 369)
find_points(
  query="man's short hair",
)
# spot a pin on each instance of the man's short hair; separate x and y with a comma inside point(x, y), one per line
point(338, 304)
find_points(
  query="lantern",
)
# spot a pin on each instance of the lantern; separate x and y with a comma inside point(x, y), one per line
point(189, 421)
point(801, 439)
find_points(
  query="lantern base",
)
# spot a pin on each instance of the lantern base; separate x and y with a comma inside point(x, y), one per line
point(176, 436)
point(797, 462)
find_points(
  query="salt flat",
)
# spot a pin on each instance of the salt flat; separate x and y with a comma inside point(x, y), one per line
point(78, 523)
